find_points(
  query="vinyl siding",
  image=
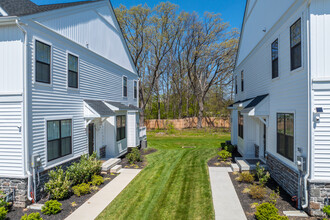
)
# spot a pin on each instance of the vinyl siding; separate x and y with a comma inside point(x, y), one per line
point(288, 93)
point(99, 79)
point(11, 148)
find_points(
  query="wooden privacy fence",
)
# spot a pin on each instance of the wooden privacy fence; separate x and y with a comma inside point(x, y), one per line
point(213, 122)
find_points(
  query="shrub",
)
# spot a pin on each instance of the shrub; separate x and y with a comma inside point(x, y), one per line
point(268, 211)
point(83, 171)
point(3, 202)
point(224, 155)
point(326, 210)
point(51, 207)
point(257, 191)
point(3, 213)
point(274, 196)
point(81, 189)
point(230, 148)
point(134, 156)
point(262, 175)
point(170, 128)
point(32, 216)
point(246, 177)
point(97, 180)
point(59, 184)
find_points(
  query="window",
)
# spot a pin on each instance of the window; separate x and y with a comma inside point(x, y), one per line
point(121, 127)
point(72, 71)
point(242, 81)
point(236, 84)
point(295, 44)
point(42, 62)
point(59, 139)
point(275, 59)
point(285, 135)
point(240, 125)
point(125, 86)
point(135, 89)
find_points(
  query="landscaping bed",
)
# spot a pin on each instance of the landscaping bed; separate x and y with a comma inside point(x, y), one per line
point(224, 161)
point(68, 205)
point(283, 202)
point(137, 164)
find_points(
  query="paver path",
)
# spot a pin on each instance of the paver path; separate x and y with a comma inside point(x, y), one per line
point(96, 204)
point(225, 200)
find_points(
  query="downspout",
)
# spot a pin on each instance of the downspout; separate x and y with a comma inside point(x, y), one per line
point(25, 109)
point(305, 205)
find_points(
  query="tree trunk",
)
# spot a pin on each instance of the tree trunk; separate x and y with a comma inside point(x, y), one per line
point(200, 113)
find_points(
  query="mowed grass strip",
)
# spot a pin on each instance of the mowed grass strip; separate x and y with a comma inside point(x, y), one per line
point(175, 184)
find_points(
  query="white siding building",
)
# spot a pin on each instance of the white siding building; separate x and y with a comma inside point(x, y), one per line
point(281, 113)
point(68, 87)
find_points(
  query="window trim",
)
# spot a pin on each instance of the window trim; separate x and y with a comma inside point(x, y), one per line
point(67, 70)
point(60, 160)
point(123, 94)
point(46, 139)
point(272, 61)
point(301, 44)
point(294, 135)
point(121, 121)
point(35, 39)
point(137, 89)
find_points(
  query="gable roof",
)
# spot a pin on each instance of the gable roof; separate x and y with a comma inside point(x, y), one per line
point(27, 7)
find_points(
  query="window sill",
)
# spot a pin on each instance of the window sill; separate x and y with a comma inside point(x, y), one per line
point(296, 70)
point(43, 84)
point(276, 79)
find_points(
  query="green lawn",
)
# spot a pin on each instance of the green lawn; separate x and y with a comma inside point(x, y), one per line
point(175, 184)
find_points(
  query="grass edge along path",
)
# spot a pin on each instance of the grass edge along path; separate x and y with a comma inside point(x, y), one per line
point(175, 184)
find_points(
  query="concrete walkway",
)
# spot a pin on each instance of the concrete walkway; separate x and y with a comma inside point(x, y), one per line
point(96, 204)
point(225, 200)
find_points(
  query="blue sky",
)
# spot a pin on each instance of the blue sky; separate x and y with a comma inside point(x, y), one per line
point(231, 10)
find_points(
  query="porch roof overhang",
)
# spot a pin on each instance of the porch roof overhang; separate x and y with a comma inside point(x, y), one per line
point(96, 109)
point(258, 106)
point(240, 104)
point(117, 106)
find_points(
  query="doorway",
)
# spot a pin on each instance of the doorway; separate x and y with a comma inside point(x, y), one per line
point(91, 141)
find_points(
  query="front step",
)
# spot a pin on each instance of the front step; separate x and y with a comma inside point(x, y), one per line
point(107, 165)
point(245, 165)
point(116, 169)
point(36, 206)
point(234, 167)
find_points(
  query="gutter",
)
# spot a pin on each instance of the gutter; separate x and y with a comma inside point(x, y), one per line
point(25, 109)
point(309, 145)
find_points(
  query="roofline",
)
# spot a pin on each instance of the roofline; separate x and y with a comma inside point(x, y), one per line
point(8, 20)
point(240, 35)
point(122, 35)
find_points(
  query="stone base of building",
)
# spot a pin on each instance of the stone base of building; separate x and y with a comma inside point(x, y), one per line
point(319, 196)
point(285, 176)
point(20, 186)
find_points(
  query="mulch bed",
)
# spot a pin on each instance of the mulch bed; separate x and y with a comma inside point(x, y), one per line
point(215, 162)
point(138, 165)
point(67, 207)
point(284, 202)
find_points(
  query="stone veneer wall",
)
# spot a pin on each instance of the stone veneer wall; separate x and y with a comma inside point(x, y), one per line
point(317, 193)
point(287, 178)
point(21, 186)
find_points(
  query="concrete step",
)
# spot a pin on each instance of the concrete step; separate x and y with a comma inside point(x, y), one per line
point(298, 213)
point(107, 165)
point(243, 166)
point(35, 206)
point(116, 169)
point(234, 167)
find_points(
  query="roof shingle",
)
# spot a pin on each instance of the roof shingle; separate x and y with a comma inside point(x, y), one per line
point(27, 7)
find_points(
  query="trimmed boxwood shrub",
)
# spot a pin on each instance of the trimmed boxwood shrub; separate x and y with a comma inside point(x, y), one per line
point(267, 211)
point(224, 155)
point(81, 189)
point(32, 216)
point(97, 180)
point(134, 156)
point(51, 207)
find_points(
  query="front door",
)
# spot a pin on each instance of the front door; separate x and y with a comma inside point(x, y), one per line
point(265, 138)
point(91, 139)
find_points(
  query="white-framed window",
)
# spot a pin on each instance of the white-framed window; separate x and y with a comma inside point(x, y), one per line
point(121, 127)
point(275, 59)
point(59, 139)
point(242, 80)
point(295, 45)
point(43, 62)
point(236, 84)
point(285, 135)
point(135, 89)
point(73, 71)
point(124, 86)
